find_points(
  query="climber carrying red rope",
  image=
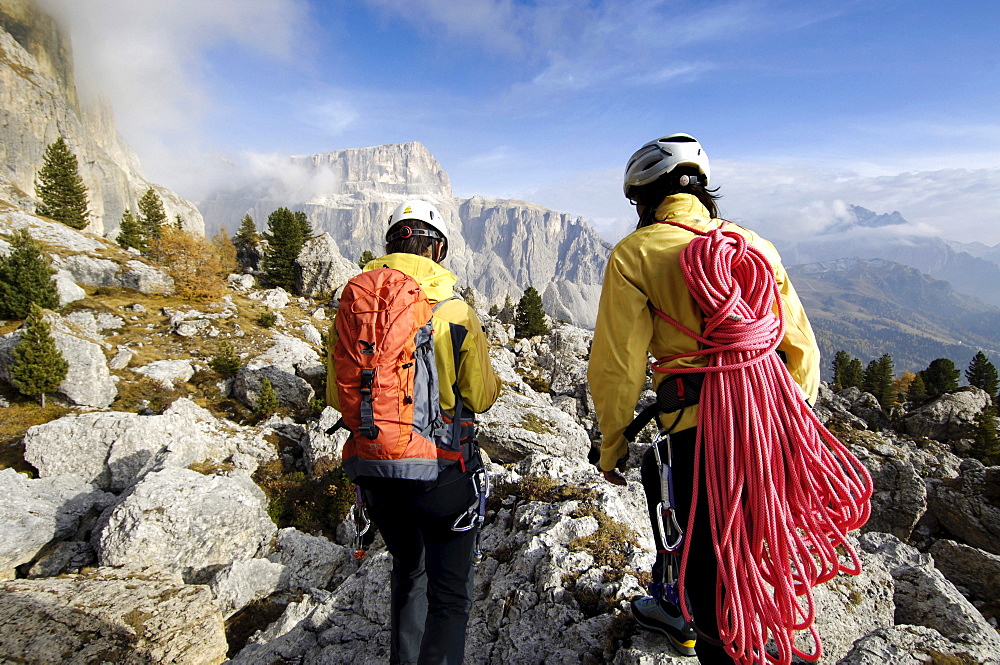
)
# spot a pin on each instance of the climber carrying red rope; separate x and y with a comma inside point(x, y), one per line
point(744, 485)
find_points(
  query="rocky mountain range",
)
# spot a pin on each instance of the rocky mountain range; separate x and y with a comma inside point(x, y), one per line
point(971, 268)
point(39, 103)
point(868, 307)
point(498, 247)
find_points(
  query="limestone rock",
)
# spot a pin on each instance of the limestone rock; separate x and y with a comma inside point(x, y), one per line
point(924, 597)
point(114, 450)
point(287, 353)
point(242, 582)
point(969, 505)
point(968, 567)
point(66, 556)
point(311, 562)
point(914, 645)
point(68, 290)
point(322, 451)
point(144, 278)
point(185, 522)
point(167, 372)
point(110, 615)
point(89, 270)
point(311, 334)
point(948, 417)
point(121, 359)
point(520, 424)
point(321, 269)
point(292, 391)
point(34, 513)
point(276, 298)
point(498, 247)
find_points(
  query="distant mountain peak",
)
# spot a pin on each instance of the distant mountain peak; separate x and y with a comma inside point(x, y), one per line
point(871, 219)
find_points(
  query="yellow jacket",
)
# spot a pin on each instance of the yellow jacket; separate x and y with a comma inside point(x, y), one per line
point(479, 384)
point(644, 269)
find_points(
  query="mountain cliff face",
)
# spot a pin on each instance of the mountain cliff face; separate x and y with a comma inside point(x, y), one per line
point(39, 103)
point(498, 247)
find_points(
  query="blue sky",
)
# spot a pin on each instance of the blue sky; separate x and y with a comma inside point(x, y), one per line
point(803, 106)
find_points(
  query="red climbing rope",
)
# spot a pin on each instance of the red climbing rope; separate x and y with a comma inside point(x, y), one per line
point(782, 490)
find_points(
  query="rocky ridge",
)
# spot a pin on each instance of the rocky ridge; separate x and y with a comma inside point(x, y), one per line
point(171, 493)
point(498, 247)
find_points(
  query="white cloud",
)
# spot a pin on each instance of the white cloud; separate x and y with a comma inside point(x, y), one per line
point(790, 201)
point(148, 58)
point(332, 115)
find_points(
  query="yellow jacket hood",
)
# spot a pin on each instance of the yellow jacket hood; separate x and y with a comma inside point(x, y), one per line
point(437, 281)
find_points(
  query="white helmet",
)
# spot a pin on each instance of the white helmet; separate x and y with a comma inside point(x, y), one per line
point(420, 211)
point(663, 155)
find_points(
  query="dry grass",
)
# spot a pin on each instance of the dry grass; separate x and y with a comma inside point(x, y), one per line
point(610, 544)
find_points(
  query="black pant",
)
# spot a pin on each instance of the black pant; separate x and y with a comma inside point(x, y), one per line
point(432, 574)
point(702, 567)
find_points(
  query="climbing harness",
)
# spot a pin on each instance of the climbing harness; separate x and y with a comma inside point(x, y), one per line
point(782, 491)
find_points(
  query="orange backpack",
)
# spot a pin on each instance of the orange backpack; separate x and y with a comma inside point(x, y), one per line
point(387, 381)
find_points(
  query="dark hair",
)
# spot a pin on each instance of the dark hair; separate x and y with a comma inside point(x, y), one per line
point(415, 244)
point(651, 195)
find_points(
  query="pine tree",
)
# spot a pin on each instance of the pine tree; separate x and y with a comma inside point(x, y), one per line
point(226, 361)
point(366, 257)
point(983, 374)
point(247, 233)
point(178, 223)
point(267, 401)
point(854, 375)
point(38, 367)
point(877, 380)
point(494, 310)
point(304, 224)
point(130, 233)
point(60, 189)
point(508, 312)
point(986, 440)
point(917, 392)
point(530, 318)
point(25, 278)
point(940, 377)
point(247, 242)
point(152, 219)
point(840, 363)
point(285, 239)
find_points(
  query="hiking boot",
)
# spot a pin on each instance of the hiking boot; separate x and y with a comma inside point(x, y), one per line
point(667, 619)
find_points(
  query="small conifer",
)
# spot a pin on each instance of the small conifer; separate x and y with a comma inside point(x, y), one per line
point(247, 233)
point(940, 377)
point(59, 187)
point(917, 391)
point(983, 374)
point(285, 237)
point(366, 257)
point(877, 380)
point(130, 233)
point(854, 375)
point(840, 363)
point(530, 318)
point(38, 367)
point(25, 278)
point(152, 218)
point(226, 362)
point(986, 440)
point(267, 401)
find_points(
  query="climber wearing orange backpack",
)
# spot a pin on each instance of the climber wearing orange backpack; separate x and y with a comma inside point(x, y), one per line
point(409, 368)
point(741, 471)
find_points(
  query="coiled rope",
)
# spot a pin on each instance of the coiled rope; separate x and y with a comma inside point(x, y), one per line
point(782, 490)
